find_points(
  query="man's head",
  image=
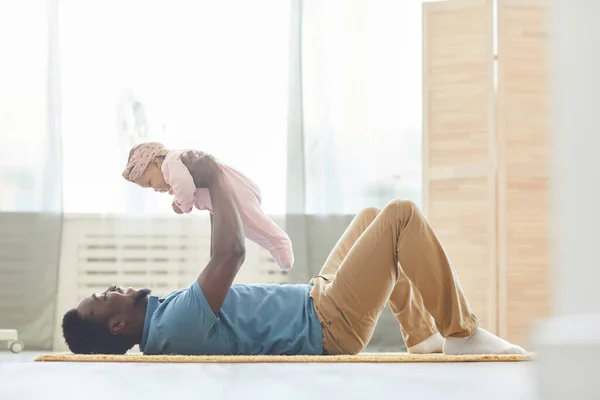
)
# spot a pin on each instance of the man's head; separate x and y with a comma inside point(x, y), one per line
point(110, 322)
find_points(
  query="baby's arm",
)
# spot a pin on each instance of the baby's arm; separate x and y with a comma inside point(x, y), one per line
point(182, 186)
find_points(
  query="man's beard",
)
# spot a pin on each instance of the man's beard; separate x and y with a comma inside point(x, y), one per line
point(140, 296)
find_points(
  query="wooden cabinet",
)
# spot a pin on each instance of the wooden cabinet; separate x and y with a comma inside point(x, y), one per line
point(485, 153)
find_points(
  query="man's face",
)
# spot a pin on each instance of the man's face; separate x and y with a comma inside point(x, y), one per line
point(115, 305)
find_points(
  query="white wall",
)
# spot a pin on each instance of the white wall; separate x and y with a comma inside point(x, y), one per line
point(569, 343)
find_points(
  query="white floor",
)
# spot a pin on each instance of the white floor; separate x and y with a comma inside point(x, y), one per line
point(21, 378)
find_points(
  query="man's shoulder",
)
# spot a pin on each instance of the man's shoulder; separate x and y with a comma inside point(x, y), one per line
point(182, 304)
point(173, 294)
point(190, 293)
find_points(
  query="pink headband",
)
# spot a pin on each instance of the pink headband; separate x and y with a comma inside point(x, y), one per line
point(142, 155)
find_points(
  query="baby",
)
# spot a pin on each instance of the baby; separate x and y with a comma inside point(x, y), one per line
point(152, 165)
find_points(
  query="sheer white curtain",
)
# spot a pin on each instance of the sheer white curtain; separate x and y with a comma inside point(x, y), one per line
point(210, 75)
point(23, 105)
point(361, 101)
point(30, 169)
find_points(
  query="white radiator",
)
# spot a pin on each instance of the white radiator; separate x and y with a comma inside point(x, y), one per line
point(162, 254)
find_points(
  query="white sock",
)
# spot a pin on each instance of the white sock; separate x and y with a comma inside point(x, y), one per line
point(481, 342)
point(433, 344)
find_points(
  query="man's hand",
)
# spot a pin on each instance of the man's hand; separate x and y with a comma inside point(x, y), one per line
point(202, 166)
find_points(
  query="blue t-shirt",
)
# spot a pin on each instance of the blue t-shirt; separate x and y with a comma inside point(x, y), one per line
point(255, 319)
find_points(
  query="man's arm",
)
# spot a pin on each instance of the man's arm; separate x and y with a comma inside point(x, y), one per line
point(211, 235)
point(227, 239)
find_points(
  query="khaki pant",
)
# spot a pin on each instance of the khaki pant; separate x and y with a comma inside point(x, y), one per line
point(389, 256)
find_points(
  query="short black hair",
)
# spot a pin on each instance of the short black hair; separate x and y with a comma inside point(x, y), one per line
point(92, 336)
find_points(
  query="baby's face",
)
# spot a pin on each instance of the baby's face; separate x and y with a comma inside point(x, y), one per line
point(153, 177)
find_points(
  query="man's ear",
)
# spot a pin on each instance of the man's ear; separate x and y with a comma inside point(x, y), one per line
point(117, 324)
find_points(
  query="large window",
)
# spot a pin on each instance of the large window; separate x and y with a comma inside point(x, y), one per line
point(209, 75)
point(213, 75)
point(23, 99)
point(362, 103)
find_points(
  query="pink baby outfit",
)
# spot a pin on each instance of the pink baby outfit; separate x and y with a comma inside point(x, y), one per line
point(257, 226)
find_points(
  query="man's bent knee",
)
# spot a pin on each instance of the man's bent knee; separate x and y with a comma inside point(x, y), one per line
point(402, 205)
point(401, 209)
point(369, 212)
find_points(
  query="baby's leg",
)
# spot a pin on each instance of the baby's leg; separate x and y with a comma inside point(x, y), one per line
point(257, 226)
point(263, 231)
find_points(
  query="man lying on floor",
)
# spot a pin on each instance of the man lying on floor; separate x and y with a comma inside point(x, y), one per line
point(390, 256)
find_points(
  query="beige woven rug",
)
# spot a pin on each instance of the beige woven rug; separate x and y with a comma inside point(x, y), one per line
point(360, 358)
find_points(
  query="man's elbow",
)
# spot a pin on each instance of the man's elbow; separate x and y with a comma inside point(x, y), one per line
point(237, 254)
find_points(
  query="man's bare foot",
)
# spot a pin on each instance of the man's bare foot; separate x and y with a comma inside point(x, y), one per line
point(481, 342)
point(433, 344)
